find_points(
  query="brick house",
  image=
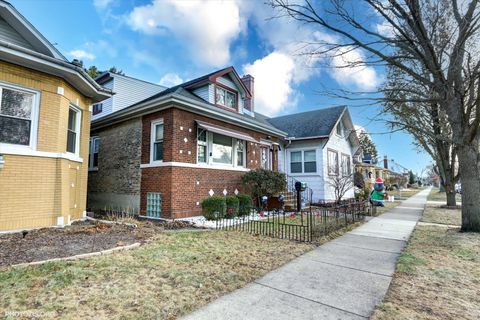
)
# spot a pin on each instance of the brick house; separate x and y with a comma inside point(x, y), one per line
point(160, 157)
point(44, 128)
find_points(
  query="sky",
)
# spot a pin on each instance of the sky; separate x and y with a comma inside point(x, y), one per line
point(171, 41)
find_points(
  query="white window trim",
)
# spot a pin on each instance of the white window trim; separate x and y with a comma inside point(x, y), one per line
point(152, 139)
point(34, 120)
point(91, 154)
point(342, 129)
point(269, 157)
point(209, 156)
point(78, 123)
point(342, 156)
point(302, 152)
point(328, 163)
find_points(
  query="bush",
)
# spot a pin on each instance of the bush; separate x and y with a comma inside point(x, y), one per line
point(214, 207)
point(245, 204)
point(261, 182)
point(232, 206)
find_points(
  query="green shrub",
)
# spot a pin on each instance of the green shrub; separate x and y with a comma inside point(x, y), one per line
point(245, 204)
point(214, 208)
point(232, 206)
point(261, 182)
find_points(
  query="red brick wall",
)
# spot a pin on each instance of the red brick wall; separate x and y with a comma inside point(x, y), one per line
point(183, 187)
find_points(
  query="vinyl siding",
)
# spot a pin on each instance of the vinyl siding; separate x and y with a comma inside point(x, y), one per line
point(341, 145)
point(315, 181)
point(203, 92)
point(129, 91)
point(8, 34)
point(107, 104)
point(227, 82)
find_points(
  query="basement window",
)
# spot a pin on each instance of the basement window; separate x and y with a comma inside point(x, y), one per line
point(154, 204)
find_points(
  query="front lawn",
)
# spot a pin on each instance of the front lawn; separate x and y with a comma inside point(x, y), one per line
point(437, 277)
point(435, 214)
point(436, 195)
point(172, 275)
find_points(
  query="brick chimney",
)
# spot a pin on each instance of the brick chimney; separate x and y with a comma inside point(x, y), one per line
point(385, 162)
point(249, 102)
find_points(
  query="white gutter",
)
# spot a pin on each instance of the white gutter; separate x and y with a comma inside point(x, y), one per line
point(55, 64)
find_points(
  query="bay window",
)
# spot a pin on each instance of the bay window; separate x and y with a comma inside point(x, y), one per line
point(215, 148)
point(202, 145)
point(303, 161)
point(221, 148)
point(18, 116)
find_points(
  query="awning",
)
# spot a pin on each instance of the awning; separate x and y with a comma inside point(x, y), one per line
point(224, 131)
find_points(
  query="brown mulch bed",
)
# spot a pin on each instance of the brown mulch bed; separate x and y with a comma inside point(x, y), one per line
point(79, 238)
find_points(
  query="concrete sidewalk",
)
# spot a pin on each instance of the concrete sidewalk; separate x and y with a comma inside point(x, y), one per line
point(343, 279)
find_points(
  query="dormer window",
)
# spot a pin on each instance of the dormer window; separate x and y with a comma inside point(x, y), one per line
point(226, 98)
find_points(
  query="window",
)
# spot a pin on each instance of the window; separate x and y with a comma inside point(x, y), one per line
point(309, 161)
point(240, 153)
point(214, 148)
point(226, 98)
point(97, 108)
point(221, 148)
point(201, 145)
point(340, 128)
point(156, 141)
point(73, 130)
point(266, 158)
point(17, 116)
point(332, 162)
point(296, 162)
point(303, 161)
point(94, 147)
point(346, 167)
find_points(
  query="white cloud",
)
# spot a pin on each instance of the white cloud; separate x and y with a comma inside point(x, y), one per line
point(273, 76)
point(101, 4)
point(170, 80)
point(206, 28)
point(82, 54)
point(385, 29)
point(349, 70)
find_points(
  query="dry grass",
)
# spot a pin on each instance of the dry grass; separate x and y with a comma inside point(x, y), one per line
point(173, 275)
point(436, 195)
point(404, 193)
point(435, 214)
point(437, 277)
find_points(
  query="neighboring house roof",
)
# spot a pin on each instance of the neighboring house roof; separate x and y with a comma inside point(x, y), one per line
point(185, 100)
point(181, 93)
point(310, 124)
point(22, 44)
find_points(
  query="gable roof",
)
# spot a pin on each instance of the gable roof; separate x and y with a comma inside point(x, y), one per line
point(23, 45)
point(310, 124)
point(20, 28)
point(185, 99)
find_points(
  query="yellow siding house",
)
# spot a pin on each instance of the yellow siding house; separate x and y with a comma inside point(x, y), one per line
point(45, 110)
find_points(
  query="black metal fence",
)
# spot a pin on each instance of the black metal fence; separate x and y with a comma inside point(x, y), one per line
point(306, 225)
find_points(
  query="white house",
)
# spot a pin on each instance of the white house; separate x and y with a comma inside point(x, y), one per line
point(321, 144)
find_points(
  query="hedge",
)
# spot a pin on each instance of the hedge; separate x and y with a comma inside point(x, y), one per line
point(214, 207)
point(245, 204)
point(232, 206)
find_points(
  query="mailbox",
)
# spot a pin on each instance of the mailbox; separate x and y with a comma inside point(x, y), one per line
point(300, 186)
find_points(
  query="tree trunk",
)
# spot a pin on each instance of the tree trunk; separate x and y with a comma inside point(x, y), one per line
point(470, 180)
point(449, 184)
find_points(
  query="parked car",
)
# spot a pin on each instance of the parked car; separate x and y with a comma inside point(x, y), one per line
point(458, 188)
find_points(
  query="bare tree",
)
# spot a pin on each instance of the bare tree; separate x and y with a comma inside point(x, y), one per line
point(341, 182)
point(434, 43)
point(427, 123)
